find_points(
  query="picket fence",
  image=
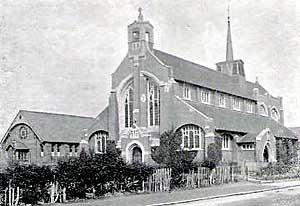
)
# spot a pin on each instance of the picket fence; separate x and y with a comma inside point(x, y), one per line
point(11, 195)
point(160, 180)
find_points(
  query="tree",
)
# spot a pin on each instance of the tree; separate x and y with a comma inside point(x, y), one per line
point(214, 155)
point(171, 155)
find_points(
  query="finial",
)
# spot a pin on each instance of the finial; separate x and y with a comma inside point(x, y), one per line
point(256, 79)
point(228, 11)
point(140, 18)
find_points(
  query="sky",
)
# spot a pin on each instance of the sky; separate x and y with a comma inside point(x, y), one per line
point(58, 55)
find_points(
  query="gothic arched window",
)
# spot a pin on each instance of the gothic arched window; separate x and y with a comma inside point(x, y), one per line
point(100, 141)
point(153, 103)
point(263, 110)
point(192, 137)
point(274, 114)
point(128, 104)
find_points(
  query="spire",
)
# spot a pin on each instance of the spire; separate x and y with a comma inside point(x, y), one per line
point(140, 17)
point(229, 50)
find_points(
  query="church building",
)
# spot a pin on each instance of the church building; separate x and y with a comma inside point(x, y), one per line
point(153, 92)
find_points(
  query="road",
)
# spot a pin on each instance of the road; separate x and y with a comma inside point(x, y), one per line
point(282, 197)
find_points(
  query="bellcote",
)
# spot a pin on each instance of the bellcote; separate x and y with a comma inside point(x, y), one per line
point(140, 35)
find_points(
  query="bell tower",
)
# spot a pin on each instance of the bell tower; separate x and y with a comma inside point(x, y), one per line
point(140, 36)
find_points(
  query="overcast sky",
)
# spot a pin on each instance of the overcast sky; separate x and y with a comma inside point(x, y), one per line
point(58, 55)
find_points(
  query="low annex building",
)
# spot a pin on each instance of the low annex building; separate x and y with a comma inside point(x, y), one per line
point(43, 138)
point(153, 92)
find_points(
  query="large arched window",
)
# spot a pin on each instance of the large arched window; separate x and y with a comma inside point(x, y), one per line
point(100, 141)
point(275, 114)
point(153, 103)
point(128, 105)
point(192, 137)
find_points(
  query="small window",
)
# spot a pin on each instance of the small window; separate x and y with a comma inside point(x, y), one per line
point(42, 150)
point(147, 36)
point(22, 155)
point(58, 150)
point(136, 35)
point(226, 142)
point(263, 109)
point(274, 114)
point(221, 100)
point(235, 69)
point(23, 133)
point(249, 107)
point(248, 146)
point(76, 149)
point(205, 96)
point(236, 104)
point(52, 149)
point(186, 91)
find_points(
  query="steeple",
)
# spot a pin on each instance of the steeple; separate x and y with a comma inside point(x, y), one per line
point(229, 50)
point(230, 66)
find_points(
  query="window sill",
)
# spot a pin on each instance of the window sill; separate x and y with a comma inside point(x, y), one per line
point(205, 102)
point(192, 149)
point(226, 149)
point(185, 98)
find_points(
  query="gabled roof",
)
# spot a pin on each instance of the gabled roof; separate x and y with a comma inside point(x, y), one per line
point(230, 120)
point(100, 122)
point(187, 71)
point(53, 127)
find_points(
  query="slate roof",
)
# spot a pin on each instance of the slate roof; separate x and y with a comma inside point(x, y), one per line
point(230, 120)
point(100, 122)
point(19, 145)
point(247, 138)
point(52, 127)
point(296, 130)
point(193, 73)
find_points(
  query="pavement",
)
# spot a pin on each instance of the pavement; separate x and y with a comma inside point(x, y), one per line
point(178, 197)
point(287, 196)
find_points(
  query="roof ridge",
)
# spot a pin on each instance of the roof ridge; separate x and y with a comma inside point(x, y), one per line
point(56, 114)
point(203, 67)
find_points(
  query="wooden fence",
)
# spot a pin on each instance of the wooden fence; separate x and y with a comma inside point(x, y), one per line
point(159, 181)
point(204, 177)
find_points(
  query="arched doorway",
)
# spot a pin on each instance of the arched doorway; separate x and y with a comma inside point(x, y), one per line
point(266, 154)
point(136, 155)
point(135, 152)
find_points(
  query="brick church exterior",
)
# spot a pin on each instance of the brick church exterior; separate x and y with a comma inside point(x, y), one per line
point(153, 92)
